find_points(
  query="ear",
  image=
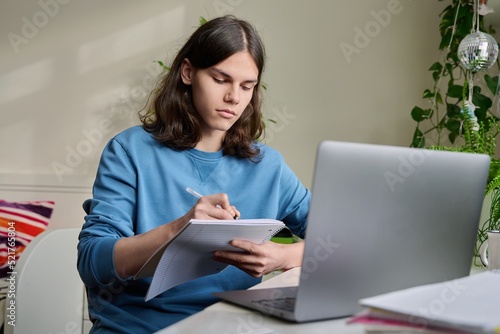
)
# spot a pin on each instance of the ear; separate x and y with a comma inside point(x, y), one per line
point(186, 72)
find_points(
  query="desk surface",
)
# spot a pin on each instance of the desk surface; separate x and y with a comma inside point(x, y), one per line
point(223, 318)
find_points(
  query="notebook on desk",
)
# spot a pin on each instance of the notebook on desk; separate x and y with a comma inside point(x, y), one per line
point(381, 219)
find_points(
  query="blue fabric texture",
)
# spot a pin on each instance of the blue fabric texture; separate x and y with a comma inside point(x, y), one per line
point(140, 184)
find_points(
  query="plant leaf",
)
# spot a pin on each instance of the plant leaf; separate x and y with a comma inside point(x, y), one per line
point(492, 83)
point(418, 138)
point(454, 126)
point(165, 67)
point(436, 75)
point(453, 111)
point(481, 101)
point(439, 99)
point(449, 69)
point(436, 67)
point(451, 137)
point(418, 114)
point(445, 40)
point(455, 91)
point(428, 94)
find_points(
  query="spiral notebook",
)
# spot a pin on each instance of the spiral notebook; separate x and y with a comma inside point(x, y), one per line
point(189, 254)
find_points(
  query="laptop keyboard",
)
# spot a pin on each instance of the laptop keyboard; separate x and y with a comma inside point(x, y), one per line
point(285, 303)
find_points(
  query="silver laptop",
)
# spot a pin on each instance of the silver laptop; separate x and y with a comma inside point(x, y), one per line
point(382, 218)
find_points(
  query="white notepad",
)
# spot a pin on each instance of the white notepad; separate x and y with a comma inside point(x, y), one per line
point(189, 254)
point(470, 304)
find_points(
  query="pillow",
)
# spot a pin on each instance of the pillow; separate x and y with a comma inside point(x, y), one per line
point(20, 222)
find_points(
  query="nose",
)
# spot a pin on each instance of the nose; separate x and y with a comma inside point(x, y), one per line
point(232, 95)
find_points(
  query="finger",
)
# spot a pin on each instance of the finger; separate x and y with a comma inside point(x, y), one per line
point(234, 258)
point(237, 214)
point(246, 262)
point(206, 208)
point(221, 201)
point(245, 245)
point(248, 255)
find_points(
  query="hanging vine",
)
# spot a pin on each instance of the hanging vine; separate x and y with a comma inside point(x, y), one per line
point(460, 115)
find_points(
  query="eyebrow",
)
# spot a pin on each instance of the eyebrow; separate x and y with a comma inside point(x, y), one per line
point(224, 74)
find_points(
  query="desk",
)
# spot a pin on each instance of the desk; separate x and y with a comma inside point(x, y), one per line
point(222, 317)
point(225, 318)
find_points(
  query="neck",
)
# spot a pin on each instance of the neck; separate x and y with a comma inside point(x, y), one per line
point(211, 143)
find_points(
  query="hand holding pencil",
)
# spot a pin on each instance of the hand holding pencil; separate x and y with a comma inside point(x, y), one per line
point(231, 209)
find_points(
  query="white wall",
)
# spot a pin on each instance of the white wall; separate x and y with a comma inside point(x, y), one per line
point(493, 18)
point(73, 73)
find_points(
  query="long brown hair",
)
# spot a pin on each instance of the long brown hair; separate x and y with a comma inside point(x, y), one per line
point(171, 116)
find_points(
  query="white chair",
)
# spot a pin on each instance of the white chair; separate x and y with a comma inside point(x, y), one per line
point(49, 294)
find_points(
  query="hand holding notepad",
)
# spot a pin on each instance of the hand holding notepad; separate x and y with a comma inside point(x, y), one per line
point(189, 254)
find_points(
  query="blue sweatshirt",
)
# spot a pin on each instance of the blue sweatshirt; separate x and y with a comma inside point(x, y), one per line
point(140, 184)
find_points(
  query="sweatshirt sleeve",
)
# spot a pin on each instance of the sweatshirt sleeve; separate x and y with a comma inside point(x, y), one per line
point(294, 200)
point(110, 216)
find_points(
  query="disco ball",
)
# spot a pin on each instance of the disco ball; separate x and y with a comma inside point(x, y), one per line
point(478, 51)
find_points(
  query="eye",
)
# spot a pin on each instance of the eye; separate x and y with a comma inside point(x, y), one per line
point(219, 81)
point(247, 87)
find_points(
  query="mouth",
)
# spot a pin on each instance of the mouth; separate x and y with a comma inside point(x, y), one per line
point(226, 113)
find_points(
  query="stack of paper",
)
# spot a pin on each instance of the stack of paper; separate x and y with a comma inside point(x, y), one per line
point(466, 305)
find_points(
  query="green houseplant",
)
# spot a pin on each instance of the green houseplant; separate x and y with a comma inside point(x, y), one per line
point(460, 115)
